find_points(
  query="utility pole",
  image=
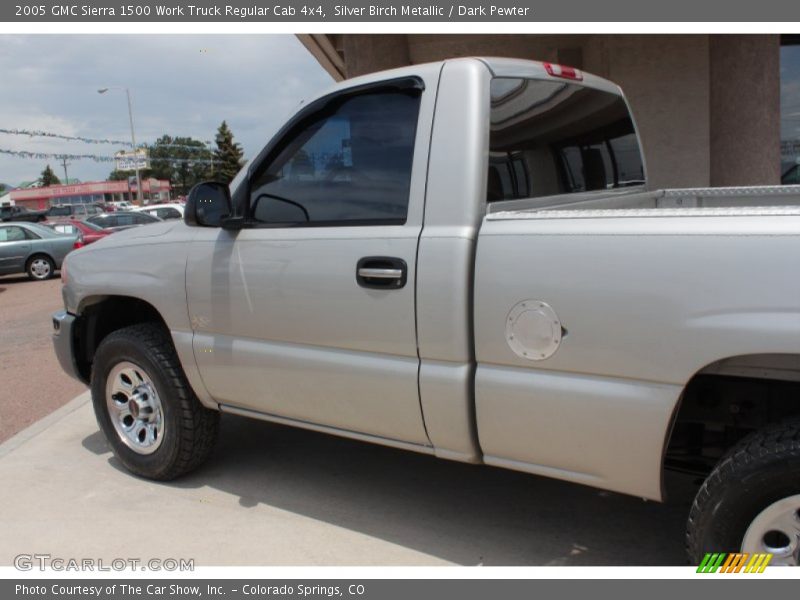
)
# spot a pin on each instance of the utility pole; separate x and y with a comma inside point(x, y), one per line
point(65, 164)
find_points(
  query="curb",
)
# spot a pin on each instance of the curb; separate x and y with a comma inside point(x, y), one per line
point(43, 424)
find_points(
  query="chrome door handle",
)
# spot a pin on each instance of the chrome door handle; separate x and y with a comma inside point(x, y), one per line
point(380, 273)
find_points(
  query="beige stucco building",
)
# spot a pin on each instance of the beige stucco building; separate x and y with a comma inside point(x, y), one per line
point(707, 106)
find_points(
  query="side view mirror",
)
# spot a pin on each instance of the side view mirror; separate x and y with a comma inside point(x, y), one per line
point(208, 204)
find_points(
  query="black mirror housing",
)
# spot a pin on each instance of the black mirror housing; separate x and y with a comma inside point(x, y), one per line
point(208, 205)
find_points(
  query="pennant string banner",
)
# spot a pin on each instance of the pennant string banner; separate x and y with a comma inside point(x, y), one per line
point(36, 133)
point(77, 138)
point(97, 157)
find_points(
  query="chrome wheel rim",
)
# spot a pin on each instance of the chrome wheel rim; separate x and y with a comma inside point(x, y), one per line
point(40, 268)
point(776, 530)
point(135, 408)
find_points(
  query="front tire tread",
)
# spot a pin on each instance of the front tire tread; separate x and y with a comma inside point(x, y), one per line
point(197, 426)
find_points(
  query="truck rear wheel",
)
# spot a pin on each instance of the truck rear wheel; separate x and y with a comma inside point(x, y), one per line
point(751, 500)
point(145, 407)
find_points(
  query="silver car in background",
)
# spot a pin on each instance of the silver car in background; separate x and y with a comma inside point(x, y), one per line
point(32, 249)
point(162, 211)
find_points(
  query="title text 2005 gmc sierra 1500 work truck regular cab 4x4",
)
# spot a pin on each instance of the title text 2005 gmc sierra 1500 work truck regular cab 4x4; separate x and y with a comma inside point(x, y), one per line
point(463, 259)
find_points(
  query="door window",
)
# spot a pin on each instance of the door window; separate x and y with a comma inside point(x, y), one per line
point(12, 234)
point(350, 164)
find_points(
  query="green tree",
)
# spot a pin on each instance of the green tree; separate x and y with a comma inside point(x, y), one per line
point(48, 177)
point(228, 155)
point(118, 175)
point(183, 161)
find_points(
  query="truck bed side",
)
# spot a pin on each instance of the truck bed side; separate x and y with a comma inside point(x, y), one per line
point(645, 302)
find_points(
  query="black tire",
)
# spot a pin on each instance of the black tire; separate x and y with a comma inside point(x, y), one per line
point(190, 429)
point(37, 274)
point(760, 470)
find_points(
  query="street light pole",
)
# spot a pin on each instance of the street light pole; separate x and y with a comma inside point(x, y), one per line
point(133, 139)
point(139, 189)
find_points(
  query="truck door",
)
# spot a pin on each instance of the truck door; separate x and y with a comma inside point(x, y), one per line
point(308, 313)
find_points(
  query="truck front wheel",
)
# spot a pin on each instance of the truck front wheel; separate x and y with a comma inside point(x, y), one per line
point(751, 500)
point(145, 407)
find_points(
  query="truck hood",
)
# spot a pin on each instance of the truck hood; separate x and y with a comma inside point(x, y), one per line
point(145, 234)
point(146, 262)
point(148, 231)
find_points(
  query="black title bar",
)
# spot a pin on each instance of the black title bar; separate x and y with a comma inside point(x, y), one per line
point(279, 11)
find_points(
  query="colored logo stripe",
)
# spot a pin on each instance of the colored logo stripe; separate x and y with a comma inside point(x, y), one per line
point(734, 562)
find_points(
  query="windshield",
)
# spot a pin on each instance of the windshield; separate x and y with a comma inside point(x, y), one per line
point(551, 137)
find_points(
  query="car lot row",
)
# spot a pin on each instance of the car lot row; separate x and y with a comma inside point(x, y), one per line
point(62, 212)
point(39, 248)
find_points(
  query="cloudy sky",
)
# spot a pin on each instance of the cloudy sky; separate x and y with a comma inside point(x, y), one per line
point(181, 85)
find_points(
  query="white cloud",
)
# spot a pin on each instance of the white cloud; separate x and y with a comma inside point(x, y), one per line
point(181, 85)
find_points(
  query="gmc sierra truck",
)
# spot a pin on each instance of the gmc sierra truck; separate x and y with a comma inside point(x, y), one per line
point(464, 259)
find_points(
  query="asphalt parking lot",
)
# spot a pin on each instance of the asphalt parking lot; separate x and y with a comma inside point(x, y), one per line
point(33, 384)
point(273, 495)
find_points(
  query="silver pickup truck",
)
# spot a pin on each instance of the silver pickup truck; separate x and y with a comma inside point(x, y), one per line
point(464, 259)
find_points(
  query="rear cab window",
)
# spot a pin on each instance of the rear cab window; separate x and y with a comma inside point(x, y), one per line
point(552, 137)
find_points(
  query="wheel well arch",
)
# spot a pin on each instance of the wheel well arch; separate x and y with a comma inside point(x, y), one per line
point(726, 400)
point(102, 315)
point(39, 253)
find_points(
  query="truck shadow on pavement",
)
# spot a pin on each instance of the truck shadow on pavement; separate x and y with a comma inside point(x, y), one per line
point(465, 514)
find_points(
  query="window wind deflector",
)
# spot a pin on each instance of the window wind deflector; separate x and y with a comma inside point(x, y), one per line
point(410, 83)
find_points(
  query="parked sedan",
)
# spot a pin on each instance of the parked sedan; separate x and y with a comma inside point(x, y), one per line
point(162, 211)
point(87, 232)
point(33, 249)
point(122, 219)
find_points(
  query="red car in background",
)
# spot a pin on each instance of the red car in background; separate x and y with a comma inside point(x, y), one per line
point(87, 232)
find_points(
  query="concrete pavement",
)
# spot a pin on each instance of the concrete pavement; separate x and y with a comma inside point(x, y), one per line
point(274, 495)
